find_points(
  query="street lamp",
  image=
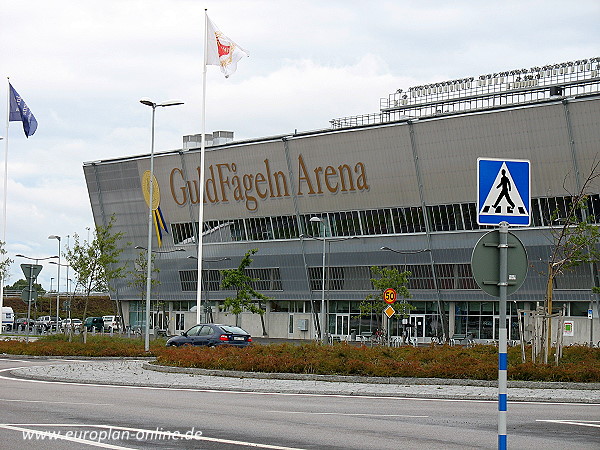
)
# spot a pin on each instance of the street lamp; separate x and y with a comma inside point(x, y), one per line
point(207, 260)
point(406, 252)
point(146, 101)
point(36, 259)
point(53, 236)
point(139, 247)
point(63, 265)
point(324, 239)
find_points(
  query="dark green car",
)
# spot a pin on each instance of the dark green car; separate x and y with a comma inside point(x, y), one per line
point(94, 324)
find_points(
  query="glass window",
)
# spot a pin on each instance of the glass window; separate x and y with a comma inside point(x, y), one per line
point(233, 330)
point(194, 330)
point(206, 331)
point(259, 228)
point(238, 230)
point(285, 227)
point(536, 218)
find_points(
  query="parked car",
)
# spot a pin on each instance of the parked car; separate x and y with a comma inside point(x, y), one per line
point(44, 323)
point(211, 335)
point(111, 323)
point(68, 324)
point(21, 324)
point(93, 323)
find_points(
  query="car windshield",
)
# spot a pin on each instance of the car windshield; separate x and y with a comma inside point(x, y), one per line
point(233, 330)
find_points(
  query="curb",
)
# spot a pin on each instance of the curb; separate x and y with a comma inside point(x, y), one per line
point(82, 358)
point(368, 380)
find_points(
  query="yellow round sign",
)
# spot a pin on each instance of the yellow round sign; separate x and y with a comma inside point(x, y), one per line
point(390, 295)
point(146, 190)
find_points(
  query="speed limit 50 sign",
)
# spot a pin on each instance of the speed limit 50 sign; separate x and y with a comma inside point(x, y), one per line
point(390, 295)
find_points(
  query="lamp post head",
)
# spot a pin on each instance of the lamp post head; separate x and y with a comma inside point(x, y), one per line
point(54, 236)
point(170, 103)
point(146, 101)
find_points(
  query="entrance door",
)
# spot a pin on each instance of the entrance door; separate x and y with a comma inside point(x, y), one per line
point(342, 325)
point(417, 328)
point(160, 320)
point(497, 327)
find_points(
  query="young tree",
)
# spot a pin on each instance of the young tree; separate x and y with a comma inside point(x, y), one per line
point(96, 263)
point(246, 298)
point(574, 237)
point(385, 278)
point(5, 263)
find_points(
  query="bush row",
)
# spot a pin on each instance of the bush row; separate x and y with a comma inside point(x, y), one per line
point(579, 364)
point(96, 346)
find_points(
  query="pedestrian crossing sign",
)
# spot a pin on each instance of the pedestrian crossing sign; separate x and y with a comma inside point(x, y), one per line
point(503, 191)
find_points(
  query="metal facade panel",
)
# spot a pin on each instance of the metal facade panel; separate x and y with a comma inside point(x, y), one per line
point(448, 150)
point(387, 158)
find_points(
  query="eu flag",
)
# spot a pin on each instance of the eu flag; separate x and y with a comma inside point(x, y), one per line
point(19, 111)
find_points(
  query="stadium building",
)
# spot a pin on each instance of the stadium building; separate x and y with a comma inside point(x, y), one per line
point(403, 179)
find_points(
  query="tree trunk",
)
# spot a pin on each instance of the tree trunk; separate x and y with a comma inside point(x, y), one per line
point(262, 322)
point(549, 291)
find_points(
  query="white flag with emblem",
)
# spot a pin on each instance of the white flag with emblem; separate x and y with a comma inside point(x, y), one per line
point(222, 51)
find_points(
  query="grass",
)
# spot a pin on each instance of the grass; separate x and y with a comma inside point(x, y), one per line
point(579, 363)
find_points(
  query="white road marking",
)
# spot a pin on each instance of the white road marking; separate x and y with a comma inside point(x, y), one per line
point(581, 423)
point(346, 414)
point(151, 433)
point(46, 401)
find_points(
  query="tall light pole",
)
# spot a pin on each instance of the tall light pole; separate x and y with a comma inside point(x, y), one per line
point(324, 239)
point(146, 101)
point(323, 316)
point(67, 282)
point(53, 236)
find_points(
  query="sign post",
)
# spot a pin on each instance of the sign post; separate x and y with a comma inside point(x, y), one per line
point(503, 199)
point(31, 272)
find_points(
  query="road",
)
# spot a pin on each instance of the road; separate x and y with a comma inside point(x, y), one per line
point(144, 417)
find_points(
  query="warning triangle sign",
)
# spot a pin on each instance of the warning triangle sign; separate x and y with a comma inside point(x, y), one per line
point(504, 198)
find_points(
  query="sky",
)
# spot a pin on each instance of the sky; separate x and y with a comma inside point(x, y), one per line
point(83, 65)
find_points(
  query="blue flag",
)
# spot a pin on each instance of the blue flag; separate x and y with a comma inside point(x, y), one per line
point(19, 111)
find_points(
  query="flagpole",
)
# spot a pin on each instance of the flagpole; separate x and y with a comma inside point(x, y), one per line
point(4, 195)
point(201, 189)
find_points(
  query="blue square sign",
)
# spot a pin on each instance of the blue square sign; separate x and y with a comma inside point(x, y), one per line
point(503, 191)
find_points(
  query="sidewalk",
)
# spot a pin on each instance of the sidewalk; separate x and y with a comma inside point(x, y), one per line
point(141, 373)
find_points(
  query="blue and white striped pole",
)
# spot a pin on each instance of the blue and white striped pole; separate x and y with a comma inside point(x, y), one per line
point(502, 337)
